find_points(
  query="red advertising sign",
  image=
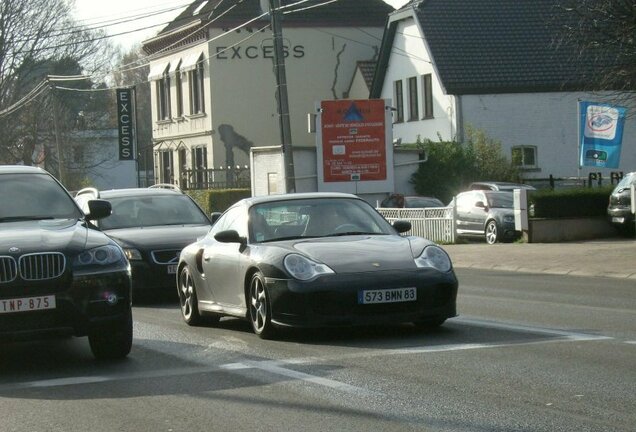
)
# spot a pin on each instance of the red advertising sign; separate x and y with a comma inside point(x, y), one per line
point(353, 140)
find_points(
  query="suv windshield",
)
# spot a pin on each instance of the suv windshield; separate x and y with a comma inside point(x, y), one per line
point(39, 196)
point(501, 200)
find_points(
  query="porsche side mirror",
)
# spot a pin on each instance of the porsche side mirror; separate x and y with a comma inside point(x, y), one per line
point(402, 226)
point(229, 236)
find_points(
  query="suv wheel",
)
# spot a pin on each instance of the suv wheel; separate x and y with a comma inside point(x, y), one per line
point(492, 235)
point(112, 342)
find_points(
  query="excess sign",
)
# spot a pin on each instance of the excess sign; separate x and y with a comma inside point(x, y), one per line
point(353, 140)
point(125, 123)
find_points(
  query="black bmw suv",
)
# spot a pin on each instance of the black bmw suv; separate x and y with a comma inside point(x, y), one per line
point(59, 275)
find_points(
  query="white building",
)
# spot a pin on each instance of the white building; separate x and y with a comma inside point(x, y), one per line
point(492, 65)
point(213, 96)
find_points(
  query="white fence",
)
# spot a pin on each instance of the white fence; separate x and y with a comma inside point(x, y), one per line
point(436, 224)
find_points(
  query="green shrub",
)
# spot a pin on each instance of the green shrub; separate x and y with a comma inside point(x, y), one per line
point(218, 200)
point(565, 203)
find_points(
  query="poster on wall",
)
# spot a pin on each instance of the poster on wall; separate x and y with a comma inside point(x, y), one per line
point(353, 140)
point(601, 134)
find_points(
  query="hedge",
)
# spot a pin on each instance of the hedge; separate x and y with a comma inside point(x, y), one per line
point(569, 203)
point(218, 200)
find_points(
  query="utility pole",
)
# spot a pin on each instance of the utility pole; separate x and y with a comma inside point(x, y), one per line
point(60, 156)
point(281, 94)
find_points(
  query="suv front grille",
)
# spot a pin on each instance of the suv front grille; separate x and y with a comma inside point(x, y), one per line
point(42, 266)
point(8, 269)
point(166, 256)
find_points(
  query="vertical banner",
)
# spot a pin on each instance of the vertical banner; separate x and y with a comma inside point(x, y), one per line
point(353, 140)
point(126, 123)
point(601, 134)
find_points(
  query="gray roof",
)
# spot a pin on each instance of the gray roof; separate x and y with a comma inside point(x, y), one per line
point(367, 69)
point(499, 46)
point(361, 13)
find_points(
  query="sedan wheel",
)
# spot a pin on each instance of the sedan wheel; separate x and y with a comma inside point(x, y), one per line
point(188, 297)
point(260, 313)
point(491, 232)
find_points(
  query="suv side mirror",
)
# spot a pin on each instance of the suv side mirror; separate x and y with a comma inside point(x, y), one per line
point(98, 209)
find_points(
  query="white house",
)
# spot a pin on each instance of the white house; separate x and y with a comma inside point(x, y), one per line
point(213, 86)
point(493, 65)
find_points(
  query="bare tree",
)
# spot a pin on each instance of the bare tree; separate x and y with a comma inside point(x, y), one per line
point(603, 32)
point(38, 39)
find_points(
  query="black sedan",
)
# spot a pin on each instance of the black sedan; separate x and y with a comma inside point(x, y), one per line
point(313, 260)
point(152, 225)
point(59, 275)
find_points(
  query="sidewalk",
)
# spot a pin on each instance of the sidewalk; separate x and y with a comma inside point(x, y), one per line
point(606, 258)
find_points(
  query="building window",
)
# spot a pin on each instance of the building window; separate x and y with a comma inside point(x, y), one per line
point(413, 100)
point(427, 95)
point(163, 96)
point(524, 157)
point(166, 163)
point(178, 85)
point(200, 165)
point(399, 101)
point(197, 99)
point(182, 166)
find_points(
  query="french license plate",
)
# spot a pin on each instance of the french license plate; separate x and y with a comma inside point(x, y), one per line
point(618, 219)
point(387, 295)
point(172, 269)
point(27, 304)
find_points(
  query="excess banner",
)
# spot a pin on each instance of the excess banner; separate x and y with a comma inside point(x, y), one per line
point(353, 140)
point(126, 123)
point(601, 134)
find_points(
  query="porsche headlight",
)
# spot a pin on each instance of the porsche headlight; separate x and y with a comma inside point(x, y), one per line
point(303, 268)
point(132, 254)
point(99, 256)
point(435, 257)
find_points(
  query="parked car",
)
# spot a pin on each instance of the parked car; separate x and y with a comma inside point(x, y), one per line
point(499, 186)
point(415, 201)
point(486, 213)
point(619, 207)
point(59, 275)
point(152, 225)
point(310, 260)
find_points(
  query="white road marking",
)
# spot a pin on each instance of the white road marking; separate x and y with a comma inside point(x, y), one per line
point(277, 366)
point(631, 342)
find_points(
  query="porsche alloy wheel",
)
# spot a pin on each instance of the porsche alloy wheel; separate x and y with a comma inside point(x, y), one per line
point(260, 314)
point(188, 298)
point(491, 232)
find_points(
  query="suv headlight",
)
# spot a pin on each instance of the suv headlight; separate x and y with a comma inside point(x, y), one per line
point(509, 219)
point(435, 257)
point(303, 268)
point(99, 256)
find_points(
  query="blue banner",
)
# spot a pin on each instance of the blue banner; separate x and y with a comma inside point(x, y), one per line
point(601, 134)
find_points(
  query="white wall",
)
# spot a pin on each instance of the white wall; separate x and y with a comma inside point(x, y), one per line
point(408, 39)
point(546, 120)
point(319, 66)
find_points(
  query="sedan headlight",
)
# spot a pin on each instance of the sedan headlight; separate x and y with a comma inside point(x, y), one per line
point(99, 256)
point(132, 254)
point(435, 257)
point(303, 268)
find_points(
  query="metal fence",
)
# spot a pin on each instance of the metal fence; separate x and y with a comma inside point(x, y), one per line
point(436, 224)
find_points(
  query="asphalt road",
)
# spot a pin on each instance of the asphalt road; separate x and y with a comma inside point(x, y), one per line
point(530, 352)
